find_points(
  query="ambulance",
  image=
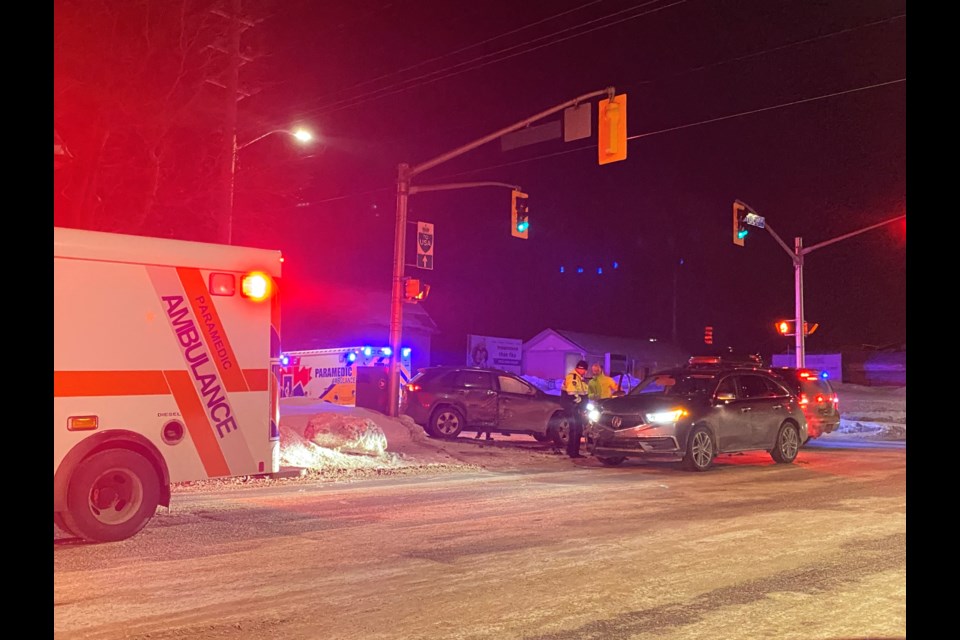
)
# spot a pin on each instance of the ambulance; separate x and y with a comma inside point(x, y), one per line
point(330, 375)
point(161, 373)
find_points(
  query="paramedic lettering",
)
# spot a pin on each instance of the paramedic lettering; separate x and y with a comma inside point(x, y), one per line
point(327, 372)
point(212, 332)
point(194, 352)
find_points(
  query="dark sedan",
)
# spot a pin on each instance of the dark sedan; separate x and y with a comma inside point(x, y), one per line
point(448, 400)
point(696, 412)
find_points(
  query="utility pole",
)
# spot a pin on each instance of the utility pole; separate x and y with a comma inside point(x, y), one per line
point(405, 173)
point(230, 83)
point(796, 256)
point(225, 226)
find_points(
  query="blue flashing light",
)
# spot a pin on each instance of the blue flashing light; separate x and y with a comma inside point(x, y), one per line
point(600, 270)
point(824, 375)
point(367, 351)
point(579, 269)
point(351, 356)
point(616, 265)
point(284, 359)
point(562, 269)
point(405, 352)
point(386, 351)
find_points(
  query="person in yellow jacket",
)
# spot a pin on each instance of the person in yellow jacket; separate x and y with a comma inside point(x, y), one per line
point(601, 386)
point(574, 393)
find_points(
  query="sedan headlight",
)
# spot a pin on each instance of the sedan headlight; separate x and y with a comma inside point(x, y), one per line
point(665, 417)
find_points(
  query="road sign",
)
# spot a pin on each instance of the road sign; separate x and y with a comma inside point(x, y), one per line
point(425, 245)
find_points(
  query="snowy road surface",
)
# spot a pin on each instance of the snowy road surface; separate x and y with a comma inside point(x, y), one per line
point(562, 550)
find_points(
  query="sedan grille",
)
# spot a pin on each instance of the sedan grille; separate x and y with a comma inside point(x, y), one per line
point(617, 421)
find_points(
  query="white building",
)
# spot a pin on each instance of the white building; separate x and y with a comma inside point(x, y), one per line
point(553, 352)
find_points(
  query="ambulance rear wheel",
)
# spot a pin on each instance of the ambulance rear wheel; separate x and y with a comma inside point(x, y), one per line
point(112, 495)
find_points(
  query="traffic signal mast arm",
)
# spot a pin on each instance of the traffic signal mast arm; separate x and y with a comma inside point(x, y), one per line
point(404, 174)
point(450, 155)
point(460, 185)
point(796, 256)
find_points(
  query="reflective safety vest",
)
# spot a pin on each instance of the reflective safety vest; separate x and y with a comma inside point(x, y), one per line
point(601, 386)
point(574, 384)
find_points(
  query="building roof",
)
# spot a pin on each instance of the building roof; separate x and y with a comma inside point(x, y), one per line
point(637, 348)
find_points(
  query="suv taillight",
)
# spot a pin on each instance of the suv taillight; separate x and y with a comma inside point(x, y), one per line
point(804, 399)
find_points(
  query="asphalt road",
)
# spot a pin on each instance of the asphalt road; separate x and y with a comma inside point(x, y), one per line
point(558, 551)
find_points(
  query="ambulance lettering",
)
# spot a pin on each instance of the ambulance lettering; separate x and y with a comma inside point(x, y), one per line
point(195, 353)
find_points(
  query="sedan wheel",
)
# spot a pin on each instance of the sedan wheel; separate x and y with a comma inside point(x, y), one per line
point(700, 450)
point(788, 444)
point(446, 422)
point(559, 430)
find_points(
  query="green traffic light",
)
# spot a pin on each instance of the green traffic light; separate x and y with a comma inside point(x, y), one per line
point(742, 233)
point(523, 226)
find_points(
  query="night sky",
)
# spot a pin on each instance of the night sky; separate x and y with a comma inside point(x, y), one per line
point(796, 107)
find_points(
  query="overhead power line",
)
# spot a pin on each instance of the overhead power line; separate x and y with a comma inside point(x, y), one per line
point(498, 56)
point(639, 136)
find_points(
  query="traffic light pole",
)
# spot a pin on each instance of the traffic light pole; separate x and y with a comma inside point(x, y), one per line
point(405, 173)
point(796, 256)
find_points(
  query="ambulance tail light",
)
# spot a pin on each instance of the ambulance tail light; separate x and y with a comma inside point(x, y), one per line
point(223, 284)
point(256, 286)
point(82, 423)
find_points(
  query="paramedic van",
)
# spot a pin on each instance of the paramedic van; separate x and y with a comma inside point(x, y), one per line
point(330, 375)
point(162, 352)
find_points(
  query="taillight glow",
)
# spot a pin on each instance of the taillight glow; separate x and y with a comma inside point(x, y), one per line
point(819, 397)
point(804, 399)
point(256, 286)
point(414, 387)
point(222, 284)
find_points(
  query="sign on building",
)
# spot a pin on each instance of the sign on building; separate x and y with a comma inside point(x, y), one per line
point(496, 353)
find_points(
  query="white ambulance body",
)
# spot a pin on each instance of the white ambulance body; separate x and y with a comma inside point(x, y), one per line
point(331, 374)
point(162, 352)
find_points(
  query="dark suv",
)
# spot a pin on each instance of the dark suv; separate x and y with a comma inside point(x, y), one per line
point(695, 412)
point(448, 400)
point(817, 398)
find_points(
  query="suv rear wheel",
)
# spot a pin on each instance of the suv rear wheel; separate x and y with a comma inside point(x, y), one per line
point(446, 422)
point(787, 446)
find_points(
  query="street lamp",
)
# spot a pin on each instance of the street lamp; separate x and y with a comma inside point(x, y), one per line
point(301, 135)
